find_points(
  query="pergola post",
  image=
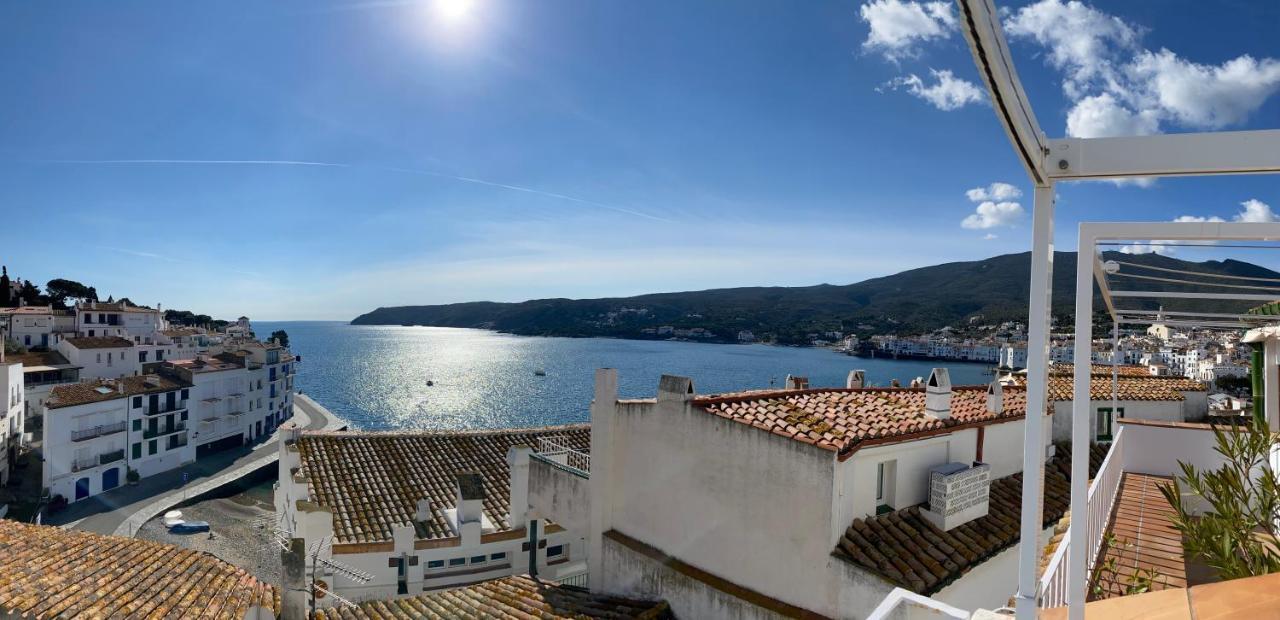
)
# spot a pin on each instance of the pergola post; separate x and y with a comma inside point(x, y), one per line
point(1033, 455)
point(1270, 391)
point(1077, 558)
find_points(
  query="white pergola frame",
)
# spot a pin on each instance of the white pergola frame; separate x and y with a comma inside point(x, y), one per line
point(1071, 159)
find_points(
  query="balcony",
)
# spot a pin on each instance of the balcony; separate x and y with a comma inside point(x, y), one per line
point(111, 457)
point(97, 431)
point(1128, 522)
point(83, 464)
point(178, 406)
point(176, 441)
point(561, 455)
point(166, 429)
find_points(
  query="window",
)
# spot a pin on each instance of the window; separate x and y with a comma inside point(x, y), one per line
point(184, 416)
point(434, 564)
point(885, 478)
point(498, 556)
point(142, 357)
point(184, 394)
point(99, 355)
point(457, 561)
point(1105, 420)
point(479, 559)
point(555, 551)
point(152, 446)
point(137, 402)
point(137, 425)
point(137, 449)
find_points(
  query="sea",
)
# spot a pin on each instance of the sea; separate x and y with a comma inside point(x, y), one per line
point(392, 377)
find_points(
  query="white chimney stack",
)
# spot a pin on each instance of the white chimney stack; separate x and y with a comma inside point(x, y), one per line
point(995, 397)
point(857, 379)
point(470, 510)
point(937, 394)
point(423, 512)
point(797, 383)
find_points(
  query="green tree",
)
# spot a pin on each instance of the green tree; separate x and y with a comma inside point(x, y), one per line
point(1238, 535)
point(6, 299)
point(30, 293)
point(59, 290)
point(281, 336)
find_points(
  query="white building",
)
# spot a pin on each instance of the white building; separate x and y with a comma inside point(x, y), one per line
point(101, 357)
point(95, 432)
point(422, 511)
point(34, 327)
point(12, 404)
point(41, 371)
point(796, 502)
point(138, 324)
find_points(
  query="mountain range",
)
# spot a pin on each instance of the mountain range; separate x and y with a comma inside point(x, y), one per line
point(993, 290)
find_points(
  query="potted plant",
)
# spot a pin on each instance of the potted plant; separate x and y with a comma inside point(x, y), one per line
point(57, 502)
point(132, 476)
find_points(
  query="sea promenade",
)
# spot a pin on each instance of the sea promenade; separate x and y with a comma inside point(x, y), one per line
point(124, 510)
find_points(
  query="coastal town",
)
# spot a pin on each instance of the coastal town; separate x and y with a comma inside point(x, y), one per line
point(882, 310)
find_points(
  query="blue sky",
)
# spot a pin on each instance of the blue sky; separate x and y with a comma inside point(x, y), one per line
point(505, 150)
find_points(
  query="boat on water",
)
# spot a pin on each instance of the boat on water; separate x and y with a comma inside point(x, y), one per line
point(539, 373)
point(430, 383)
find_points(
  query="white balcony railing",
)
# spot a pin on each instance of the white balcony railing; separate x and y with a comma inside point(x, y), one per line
point(1102, 497)
point(560, 454)
point(97, 431)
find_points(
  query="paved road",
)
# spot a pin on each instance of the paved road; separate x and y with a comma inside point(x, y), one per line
point(123, 510)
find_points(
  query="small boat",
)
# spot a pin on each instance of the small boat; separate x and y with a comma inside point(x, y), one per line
point(189, 527)
point(430, 383)
point(539, 373)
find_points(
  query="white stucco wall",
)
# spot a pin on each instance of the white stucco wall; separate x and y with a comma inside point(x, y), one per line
point(560, 496)
point(1159, 410)
point(723, 496)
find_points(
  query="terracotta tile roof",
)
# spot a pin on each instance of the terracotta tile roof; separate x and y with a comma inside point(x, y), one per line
point(1150, 388)
point(28, 310)
point(905, 549)
point(182, 331)
point(49, 572)
point(71, 394)
point(840, 419)
point(115, 306)
point(1123, 370)
point(99, 342)
point(510, 597)
point(372, 481)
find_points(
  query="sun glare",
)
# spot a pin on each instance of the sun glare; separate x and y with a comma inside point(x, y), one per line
point(453, 10)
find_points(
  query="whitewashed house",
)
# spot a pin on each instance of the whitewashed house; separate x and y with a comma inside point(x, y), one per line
point(421, 511)
point(12, 404)
point(808, 502)
point(100, 357)
point(137, 324)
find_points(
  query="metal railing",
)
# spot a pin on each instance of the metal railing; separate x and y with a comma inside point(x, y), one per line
point(1054, 584)
point(577, 579)
point(97, 431)
point(164, 430)
point(111, 457)
point(162, 408)
point(83, 464)
point(557, 453)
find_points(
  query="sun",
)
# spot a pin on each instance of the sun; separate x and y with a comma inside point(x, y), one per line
point(453, 10)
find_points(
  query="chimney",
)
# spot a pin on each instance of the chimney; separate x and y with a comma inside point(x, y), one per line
point(937, 394)
point(995, 397)
point(918, 382)
point(518, 461)
point(857, 379)
point(797, 383)
point(294, 591)
point(894, 383)
point(423, 512)
point(470, 511)
point(671, 387)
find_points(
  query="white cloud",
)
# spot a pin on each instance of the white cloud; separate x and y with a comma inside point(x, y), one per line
point(992, 214)
point(1101, 116)
point(995, 191)
point(1116, 87)
point(990, 236)
point(897, 26)
point(947, 93)
point(1256, 211)
point(1251, 211)
point(1082, 41)
point(1155, 247)
point(1204, 96)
